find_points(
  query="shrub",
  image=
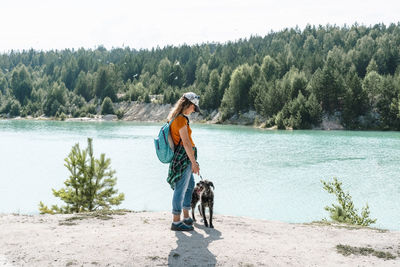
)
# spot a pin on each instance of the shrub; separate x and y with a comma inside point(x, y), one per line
point(90, 185)
point(62, 116)
point(279, 120)
point(15, 109)
point(345, 211)
point(120, 113)
point(147, 98)
point(107, 106)
point(91, 109)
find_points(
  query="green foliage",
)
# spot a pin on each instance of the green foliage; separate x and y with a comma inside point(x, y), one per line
point(3, 83)
point(326, 64)
point(345, 212)
point(298, 113)
point(15, 109)
point(170, 96)
point(211, 98)
point(355, 100)
point(328, 86)
point(372, 86)
point(90, 185)
point(56, 100)
point(83, 86)
point(372, 66)
point(347, 250)
point(314, 110)
point(21, 84)
point(91, 109)
point(104, 86)
point(224, 82)
point(269, 99)
point(62, 116)
point(120, 113)
point(107, 106)
point(147, 98)
point(269, 68)
point(236, 96)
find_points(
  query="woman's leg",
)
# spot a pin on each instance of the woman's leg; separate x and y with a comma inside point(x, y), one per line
point(179, 193)
point(188, 197)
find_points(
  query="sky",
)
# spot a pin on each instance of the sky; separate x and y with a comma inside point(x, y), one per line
point(56, 24)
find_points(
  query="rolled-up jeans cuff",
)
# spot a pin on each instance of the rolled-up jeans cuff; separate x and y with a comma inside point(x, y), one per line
point(176, 212)
point(187, 208)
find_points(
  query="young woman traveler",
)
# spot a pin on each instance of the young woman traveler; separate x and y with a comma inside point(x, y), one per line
point(183, 164)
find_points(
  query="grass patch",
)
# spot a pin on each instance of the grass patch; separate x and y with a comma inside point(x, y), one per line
point(100, 214)
point(345, 226)
point(347, 250)
point(67, 223)
point(156, 258)
point(153, 258)
point(70, 263)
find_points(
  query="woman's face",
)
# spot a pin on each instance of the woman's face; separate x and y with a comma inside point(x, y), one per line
point(189, 110)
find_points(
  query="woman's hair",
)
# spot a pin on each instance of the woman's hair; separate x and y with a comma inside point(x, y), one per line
point(182, 104)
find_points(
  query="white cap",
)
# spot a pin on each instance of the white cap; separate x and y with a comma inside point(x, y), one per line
point(192, 97)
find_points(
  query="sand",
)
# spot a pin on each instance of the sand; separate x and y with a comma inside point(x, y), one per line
point(145, 239)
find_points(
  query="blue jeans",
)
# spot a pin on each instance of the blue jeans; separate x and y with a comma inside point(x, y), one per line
point(183, 191)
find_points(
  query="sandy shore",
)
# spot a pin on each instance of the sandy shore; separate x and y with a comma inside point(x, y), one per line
point(144, 239)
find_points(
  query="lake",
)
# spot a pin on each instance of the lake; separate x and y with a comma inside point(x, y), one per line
point(273, 175)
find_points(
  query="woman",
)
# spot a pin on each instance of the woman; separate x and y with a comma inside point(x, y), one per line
point(183, 164)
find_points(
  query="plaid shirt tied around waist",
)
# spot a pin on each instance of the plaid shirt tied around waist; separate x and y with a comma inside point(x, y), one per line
point(178, 165)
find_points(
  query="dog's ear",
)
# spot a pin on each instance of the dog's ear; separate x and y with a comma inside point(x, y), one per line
point(211, 184)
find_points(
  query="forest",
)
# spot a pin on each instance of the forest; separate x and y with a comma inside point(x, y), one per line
point(291, 78)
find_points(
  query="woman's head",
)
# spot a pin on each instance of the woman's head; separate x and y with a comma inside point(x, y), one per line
point(185, 105)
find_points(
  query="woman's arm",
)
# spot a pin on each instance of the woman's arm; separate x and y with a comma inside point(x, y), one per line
point(183, 132)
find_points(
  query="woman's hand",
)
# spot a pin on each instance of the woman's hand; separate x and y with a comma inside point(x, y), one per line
point(195, 168)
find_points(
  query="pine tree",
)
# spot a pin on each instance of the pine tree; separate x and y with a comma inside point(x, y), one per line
point(236, 96)
point(270, 68)
point(355, 100)
point(210, 99)
point(56, 99)
point(82, 86)
point(107, 106)
point(344, 211)
point(104, 85)
point(90, 185)
point(21, 84)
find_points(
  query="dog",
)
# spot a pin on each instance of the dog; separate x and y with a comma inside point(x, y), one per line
point(203, 193)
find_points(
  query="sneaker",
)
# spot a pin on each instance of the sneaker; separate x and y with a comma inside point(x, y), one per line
point(181, 227)
point(188, 221)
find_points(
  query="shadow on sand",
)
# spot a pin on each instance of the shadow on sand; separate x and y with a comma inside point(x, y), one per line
point(192, 249)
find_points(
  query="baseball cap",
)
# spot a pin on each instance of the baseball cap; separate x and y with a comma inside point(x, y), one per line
point(192, 97)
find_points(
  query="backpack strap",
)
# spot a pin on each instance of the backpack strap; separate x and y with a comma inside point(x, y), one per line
point(186, 118)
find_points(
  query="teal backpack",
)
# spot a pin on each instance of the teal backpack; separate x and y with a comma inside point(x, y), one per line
point(164, 144)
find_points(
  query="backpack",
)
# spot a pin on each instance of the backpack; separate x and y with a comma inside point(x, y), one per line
point(164, 144)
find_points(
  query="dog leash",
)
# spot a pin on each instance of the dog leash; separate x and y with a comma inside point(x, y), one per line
point(199, 171)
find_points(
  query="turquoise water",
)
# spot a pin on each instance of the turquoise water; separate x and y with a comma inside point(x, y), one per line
point(273, 175)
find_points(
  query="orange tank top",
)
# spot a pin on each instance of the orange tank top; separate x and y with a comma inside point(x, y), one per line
point(176, 125)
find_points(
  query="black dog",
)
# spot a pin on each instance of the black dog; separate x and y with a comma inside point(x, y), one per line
point(205, 194)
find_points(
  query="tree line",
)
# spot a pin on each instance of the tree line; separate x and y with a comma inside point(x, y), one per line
point(292, 78)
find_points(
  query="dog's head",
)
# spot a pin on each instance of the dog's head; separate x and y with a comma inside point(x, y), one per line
point(205, 185)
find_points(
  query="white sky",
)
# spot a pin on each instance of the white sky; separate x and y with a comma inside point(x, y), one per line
point(55, 24)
